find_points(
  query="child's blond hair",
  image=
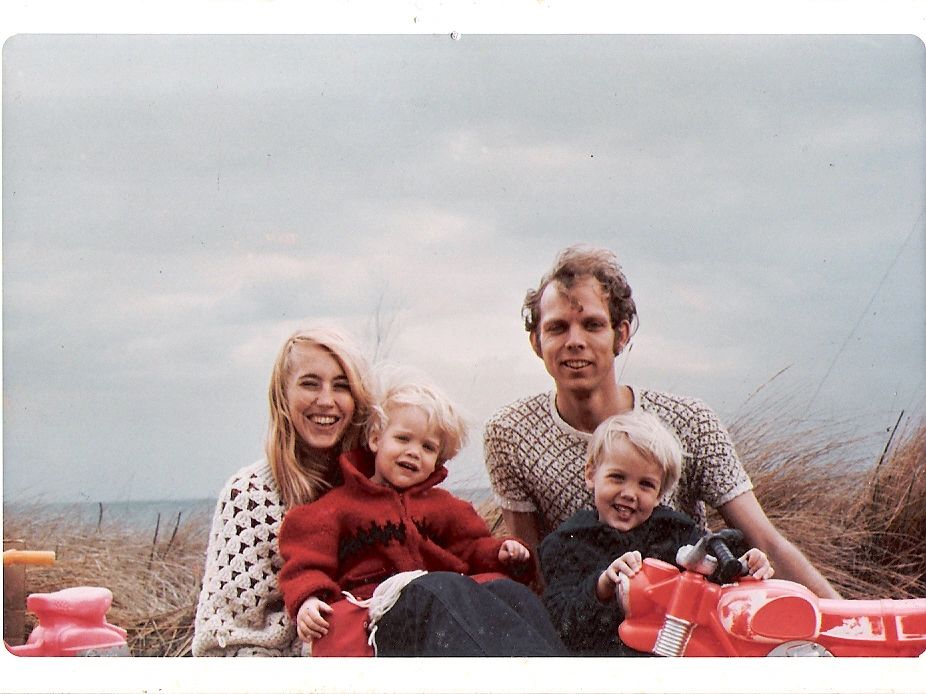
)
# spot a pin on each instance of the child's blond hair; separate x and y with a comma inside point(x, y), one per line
point(442, 414)
point(646, 432)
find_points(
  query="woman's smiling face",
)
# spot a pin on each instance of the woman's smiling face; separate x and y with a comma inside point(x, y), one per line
point(318, 396)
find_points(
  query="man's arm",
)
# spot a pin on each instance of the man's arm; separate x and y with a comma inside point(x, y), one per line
point(745, 514)
point(525, 526)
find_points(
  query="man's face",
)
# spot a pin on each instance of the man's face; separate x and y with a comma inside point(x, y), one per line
point(575, 338)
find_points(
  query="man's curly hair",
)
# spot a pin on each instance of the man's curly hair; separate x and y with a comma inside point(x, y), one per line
point(574, 263)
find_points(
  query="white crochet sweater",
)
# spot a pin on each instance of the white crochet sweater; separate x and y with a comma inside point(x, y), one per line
point(240, 610)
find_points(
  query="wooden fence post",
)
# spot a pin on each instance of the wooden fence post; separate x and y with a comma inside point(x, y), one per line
point(14, 598)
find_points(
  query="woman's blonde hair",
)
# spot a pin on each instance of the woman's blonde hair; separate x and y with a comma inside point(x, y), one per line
point(442, 414)
point(655, 441)
point(303, 478)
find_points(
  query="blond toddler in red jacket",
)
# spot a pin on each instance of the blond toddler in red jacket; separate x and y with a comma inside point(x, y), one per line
point(394, 520)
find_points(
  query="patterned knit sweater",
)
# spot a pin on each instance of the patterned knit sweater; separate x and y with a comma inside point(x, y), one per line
point(536, 460)
point(240, 610)
point(361, 533)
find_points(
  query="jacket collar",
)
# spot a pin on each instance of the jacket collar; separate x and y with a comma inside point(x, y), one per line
point(358, 467)
point(587, 519)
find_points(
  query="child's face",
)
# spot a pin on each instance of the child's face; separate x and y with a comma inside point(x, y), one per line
point(626, 487)
point(406, 450)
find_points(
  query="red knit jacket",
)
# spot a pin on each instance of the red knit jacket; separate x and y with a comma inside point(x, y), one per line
point(361, 533)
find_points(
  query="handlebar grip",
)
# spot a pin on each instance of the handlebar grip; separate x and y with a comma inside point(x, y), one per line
point(728, 566)
point(26, 556)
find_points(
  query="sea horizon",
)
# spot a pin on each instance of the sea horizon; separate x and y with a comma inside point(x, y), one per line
point(144, 513)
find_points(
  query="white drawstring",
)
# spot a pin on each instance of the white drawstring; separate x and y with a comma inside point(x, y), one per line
point(382, 600)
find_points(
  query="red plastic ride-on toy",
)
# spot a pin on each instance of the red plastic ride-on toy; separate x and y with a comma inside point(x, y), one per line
point(681, 613)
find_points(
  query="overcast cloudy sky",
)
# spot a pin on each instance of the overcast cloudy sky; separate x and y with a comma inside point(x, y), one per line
point(174, 206)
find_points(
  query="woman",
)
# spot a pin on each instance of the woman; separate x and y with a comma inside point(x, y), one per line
point(319, 402)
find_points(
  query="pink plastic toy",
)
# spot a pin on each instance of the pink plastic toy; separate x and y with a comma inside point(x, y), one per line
point(72, 622)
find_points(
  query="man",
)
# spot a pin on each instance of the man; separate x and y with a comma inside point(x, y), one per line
point(579, 319)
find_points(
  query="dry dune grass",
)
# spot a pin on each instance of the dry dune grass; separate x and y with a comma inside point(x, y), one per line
point(863, 524)
point(802, 487)
point(155, 585)
point(889, 516)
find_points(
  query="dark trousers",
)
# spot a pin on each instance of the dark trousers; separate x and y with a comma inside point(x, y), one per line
point(448, 614)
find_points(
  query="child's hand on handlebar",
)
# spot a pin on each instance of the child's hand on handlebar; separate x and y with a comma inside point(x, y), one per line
point(310, 624)
point(758, 564)
point(513, 551)
point(627, 565)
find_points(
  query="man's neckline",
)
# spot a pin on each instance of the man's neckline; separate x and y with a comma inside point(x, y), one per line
point(567, 427)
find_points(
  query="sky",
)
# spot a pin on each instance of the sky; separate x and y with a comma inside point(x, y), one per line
point(174, 206)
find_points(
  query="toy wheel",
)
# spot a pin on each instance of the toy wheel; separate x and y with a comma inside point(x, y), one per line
point(800, 649)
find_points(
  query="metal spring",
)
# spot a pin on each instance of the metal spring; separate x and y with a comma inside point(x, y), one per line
point(673, 637)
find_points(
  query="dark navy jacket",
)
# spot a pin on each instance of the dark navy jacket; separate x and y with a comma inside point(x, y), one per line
point(573, 557)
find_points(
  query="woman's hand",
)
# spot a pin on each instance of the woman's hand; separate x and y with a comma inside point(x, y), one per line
point(309, 621)
point(513, 552)
point(758, 564)
point(627, 565)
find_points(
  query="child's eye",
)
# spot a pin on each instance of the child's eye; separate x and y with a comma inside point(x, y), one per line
point(430, 447)
point(402, 437)
point(342, 385)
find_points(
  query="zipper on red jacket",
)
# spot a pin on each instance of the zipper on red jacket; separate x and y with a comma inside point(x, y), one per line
point(412, 536)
